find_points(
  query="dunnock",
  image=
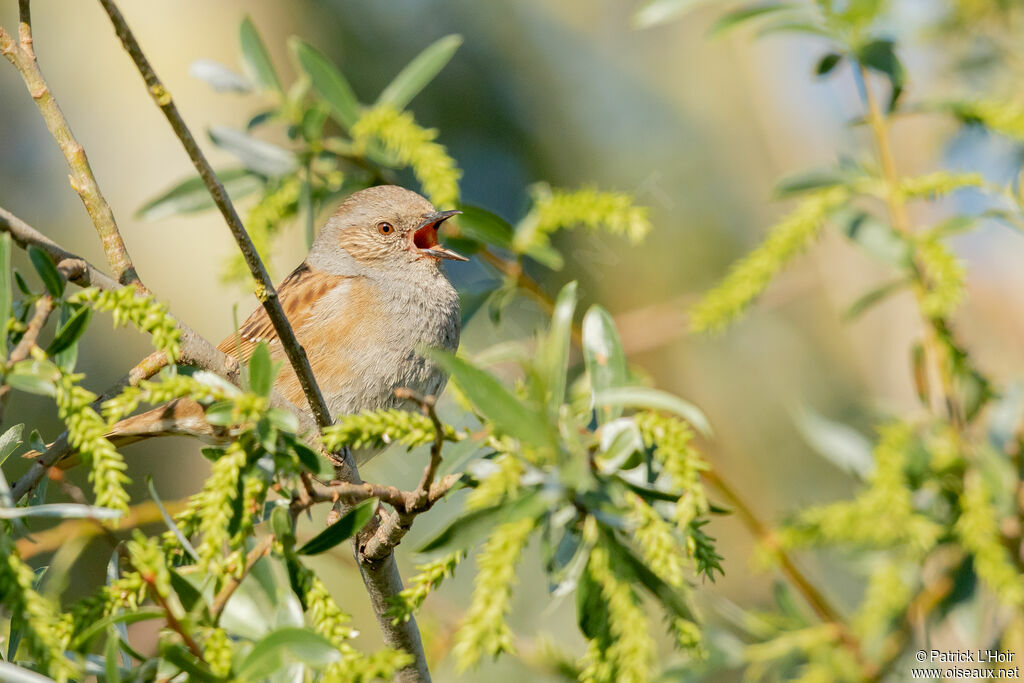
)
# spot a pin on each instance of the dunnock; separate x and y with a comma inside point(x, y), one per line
point(370, 293)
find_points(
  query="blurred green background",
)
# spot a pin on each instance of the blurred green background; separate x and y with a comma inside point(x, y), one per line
point(698, 129)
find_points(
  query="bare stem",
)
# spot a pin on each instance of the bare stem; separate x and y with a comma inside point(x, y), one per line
point(44, 307)
point(257, 553)
point(936, 351)
point(22, 56)
point(265, 291)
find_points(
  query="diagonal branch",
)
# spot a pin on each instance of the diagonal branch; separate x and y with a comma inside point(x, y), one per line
point(265, 291)
point(382, 579)
point(22, 56)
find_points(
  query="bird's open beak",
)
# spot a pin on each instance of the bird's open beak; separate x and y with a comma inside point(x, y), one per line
point(425, 237)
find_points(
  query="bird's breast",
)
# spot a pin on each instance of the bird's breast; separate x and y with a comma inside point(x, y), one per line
point(364, 340)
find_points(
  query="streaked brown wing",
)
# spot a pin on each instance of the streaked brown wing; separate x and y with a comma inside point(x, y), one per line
point(298, 294)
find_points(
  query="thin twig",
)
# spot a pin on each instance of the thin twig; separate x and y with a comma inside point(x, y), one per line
point(382, 579)
point(44, 307)
point(265, 291)
point(220, 600)
point(22, 57)
point(935, 328)
point(426, 404)
point(172, 621)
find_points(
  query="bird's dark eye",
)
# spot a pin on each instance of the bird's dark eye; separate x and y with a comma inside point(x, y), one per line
point(385, 228)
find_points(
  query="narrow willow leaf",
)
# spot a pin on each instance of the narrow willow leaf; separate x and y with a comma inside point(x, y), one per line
point(10, 440)
point(6, 296)
point(261, 370)
point(270, 653)
point(468, 529)
point(875, 296)
point(738, 17)
point(350, 524)
point(47, 270)
point(257, 155)
point(843, 446)
point(670, 598)
point(827, 63)
point(110, 652)
point(169, 521)
point(486, 227)
point(659, 11)
point(187, 663)
point(329, 82)
point(191, 195)
point(604, 358)
point(880, 56)
point(654, 399)
point(61, 511)
point(70, 332)
point(419, 72)
point(84, 638)
point(256, 59)
point(219, 77)
point(494, 401)
point(553, 358)
point(15, 674)
point(34, 377)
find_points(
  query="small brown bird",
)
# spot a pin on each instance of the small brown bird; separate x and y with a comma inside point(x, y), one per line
point(369, 294)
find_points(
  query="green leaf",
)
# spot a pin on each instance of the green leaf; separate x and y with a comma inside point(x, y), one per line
point(467, 530)
point(494, 401)
point(261, 370)
point(419, 72)
point(257, 155)
point(877, 238)
point(843, 446)
point(670, 598)
point(604, 358)
point(219, 77)
point(47, 270)
point(34, 377)
point(83, 639)
point(483, 226)
point(827, 63)
point(6, 296)
point(191, 195)
point(169, 521)
point(553, 359)
point(61, 511)
point(70, 332)
point(350, 524)
point(807, 181)
point(659, 11)
point(873, 297)
point(256, 59)
point(654, 399)
point(221, 413)
point(591, 607)
point(110, 654)
point(738, 17)
point(189, 664)
point(272, 651)
point(15, 674)
point(880, 56)
point(10, 440)
point(328, 81)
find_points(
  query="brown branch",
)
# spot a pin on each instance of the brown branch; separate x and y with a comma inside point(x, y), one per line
point(22, 57)
point(257, 553)
point(265, 291)
point(24, 235)
point(382, 580)
point(172, 621)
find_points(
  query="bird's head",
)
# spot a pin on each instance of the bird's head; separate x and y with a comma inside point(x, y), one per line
point(383, 226)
